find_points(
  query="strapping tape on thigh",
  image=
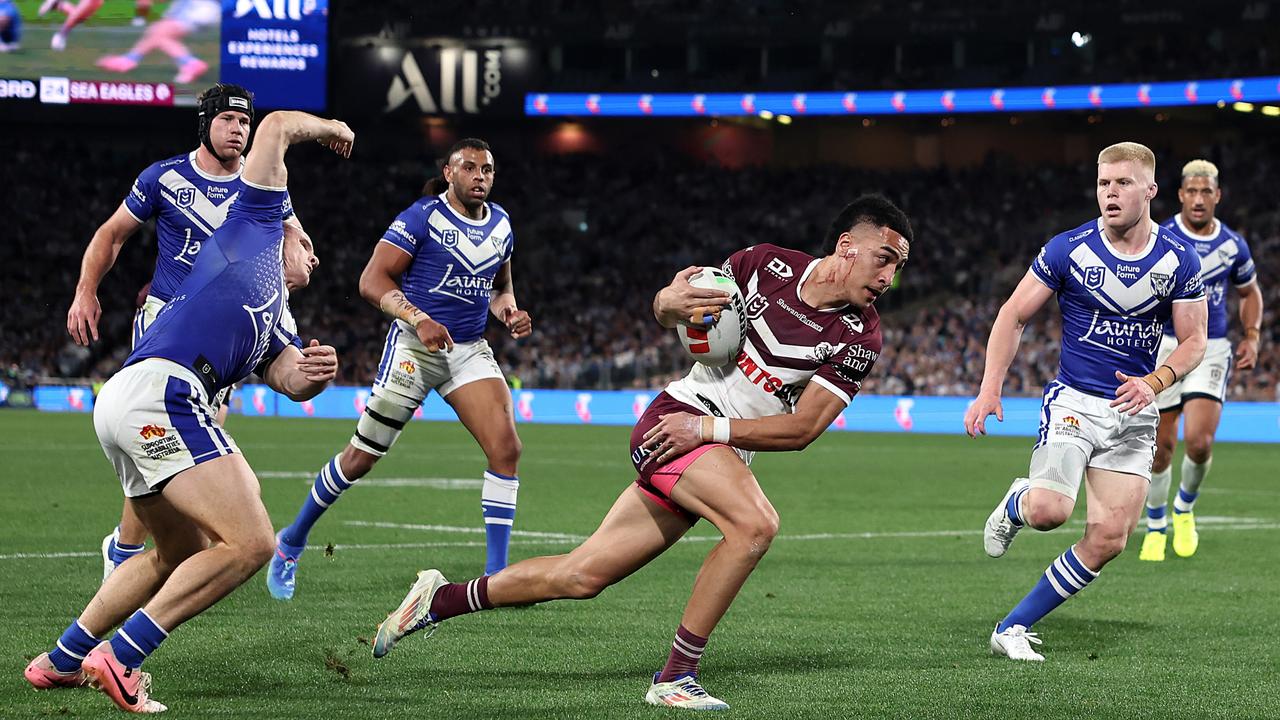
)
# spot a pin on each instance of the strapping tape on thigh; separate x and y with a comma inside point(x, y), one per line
point(380, 425)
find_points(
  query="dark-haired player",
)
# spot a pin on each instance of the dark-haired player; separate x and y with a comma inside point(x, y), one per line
point(813, 336)
point(441, 268)
point(182, 474)
point(188, 195)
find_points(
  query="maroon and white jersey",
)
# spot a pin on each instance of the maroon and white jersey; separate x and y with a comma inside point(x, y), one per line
point(788, 343)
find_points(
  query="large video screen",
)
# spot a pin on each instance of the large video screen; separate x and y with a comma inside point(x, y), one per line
point(163, 52)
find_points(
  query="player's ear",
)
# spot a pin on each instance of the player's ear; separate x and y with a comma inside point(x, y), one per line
point(1152, 189)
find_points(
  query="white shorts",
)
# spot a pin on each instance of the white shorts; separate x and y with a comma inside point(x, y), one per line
point(143, 318)
point(407, 372)
point(1110, 440)
point(195, 14)
point(1208, 380)
point(154, 421)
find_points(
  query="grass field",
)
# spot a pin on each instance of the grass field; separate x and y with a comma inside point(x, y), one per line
point(875, 601)
point(107, 32)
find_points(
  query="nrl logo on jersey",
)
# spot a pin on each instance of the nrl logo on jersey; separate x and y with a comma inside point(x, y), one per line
point(756, 305)
point(449, 238)
point(1093, 277)
point(185, 197)
point(1161, 285)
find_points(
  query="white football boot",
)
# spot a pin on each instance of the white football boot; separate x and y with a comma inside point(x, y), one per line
point(1000, 530)
point(684, 692)
point(1015, 644)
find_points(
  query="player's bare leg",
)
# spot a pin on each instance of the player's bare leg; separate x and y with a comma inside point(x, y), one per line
point(141, 12)
point(166, 36)
point(1156, 537)
point(127, 540)
point(635, 531)
point(1201, 425)
point(1112, 506)
point(75, 15)
point(485, 409)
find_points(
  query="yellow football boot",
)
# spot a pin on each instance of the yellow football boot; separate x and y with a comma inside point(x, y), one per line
point(1185, 537)
point(1153, 547)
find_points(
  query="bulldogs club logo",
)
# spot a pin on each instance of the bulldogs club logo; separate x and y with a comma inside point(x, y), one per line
point(1161, 285)
point(151, 432)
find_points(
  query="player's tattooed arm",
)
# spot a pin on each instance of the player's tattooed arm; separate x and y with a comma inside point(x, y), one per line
point(681, 302)
point(396, 305)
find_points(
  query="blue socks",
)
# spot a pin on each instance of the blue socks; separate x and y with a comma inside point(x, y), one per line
point(329, 485)
point(1014, 507)
point(498, 504)
point(137, 638)
point(74, 644)
point(1063, 579)
point(119, 552)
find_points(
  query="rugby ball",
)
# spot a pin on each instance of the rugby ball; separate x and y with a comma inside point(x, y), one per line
point(716, 345)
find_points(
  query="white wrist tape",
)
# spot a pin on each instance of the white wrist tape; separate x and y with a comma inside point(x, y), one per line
point(720, 430)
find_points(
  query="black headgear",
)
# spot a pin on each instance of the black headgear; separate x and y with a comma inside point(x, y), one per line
point(219, 99)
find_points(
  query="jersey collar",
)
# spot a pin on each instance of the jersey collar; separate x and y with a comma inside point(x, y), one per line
point(478, 223)
point(1192, 235)
point(215, 178)
point(1151, 243)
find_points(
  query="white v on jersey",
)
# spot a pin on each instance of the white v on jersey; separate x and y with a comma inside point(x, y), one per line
point(1224, 256)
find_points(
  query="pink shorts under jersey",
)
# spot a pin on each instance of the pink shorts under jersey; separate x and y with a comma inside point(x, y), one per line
point(656, 481)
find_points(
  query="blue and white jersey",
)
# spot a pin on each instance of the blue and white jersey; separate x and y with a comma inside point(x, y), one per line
point(454, 261)
point(188, 205)
point(12, 32)
point(1114, 306)
point(232, 311)
point(1224, 257)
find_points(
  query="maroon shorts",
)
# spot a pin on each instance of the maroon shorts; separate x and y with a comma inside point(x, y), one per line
point(655, 480)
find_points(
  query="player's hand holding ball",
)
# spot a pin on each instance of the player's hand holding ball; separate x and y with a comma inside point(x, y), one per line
point(518, 322)
point(434, 336)
point(681, 302)
point(975, 418)
point(319, 363)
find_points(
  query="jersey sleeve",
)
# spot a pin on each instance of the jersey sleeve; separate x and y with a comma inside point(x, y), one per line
point(407, 231)
point(142, 202)
point(1050, 266)
point(287, 207)
point(1243, 271)
point(844, 372)
point(742, 264)
point(283, 335)
point(1188, 285)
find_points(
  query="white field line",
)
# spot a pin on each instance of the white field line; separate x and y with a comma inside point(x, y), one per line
point(544, 538)
point(437, 483)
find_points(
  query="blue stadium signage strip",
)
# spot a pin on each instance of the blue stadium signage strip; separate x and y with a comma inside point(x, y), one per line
point(907, 102)
point(1241, 421)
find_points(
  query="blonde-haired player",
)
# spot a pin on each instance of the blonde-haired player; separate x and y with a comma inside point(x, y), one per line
point(1119, 278)
point(1198, 397)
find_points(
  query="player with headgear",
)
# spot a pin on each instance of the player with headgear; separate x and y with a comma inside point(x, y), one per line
point(188, 196)
point(181, 472)
point(439, 272)
point(1119, 278)
point(1224, 259)
point(813, 336)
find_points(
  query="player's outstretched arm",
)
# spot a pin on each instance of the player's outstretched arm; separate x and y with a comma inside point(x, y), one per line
point(1002, 346)
point(380, 287)
point(678, 433)
point(1251, 319)
point(502, 303)
point(302, 374)
point(1190, 325)
point(104, 247)
point(265, 166)
point(681, 302)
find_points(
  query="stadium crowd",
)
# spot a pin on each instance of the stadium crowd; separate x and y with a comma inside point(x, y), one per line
point(595, 237)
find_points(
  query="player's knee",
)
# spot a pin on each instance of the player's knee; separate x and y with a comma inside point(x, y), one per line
point(504, 457)
point(1199, 447)
point(256, 550)
point(1042, 514)
point(582, 583)
point(755, 534)
point(1163, 458)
